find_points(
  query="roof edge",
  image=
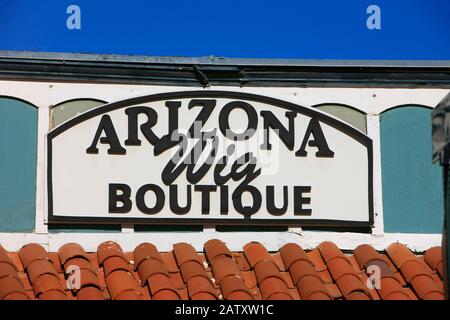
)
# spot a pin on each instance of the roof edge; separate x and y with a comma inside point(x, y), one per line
point(223, 61)
point(220, 71)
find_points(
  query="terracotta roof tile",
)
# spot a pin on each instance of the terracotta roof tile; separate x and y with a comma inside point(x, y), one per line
point(129, 295)
point(120, 281)
point(329, 251)
point(177, 280)
point(71, 250)
point(373, 294)
point(116, 263)
point(47, 282)
point(388, 286)
point(333, 290)
point(7, 270)
point(300, 269)
point(166, 295)
point(149, 267)
point(234, 288)
point(16, 296)
point(32, 252)
point(426, 288)
point(9, 285)
point(22, 276)
point(39, 267)
point(54, 259)
point(280, 296)
point(274, 286)
point(256, 252)
point(253, 273)
point(428, 269)
point(315, 257)
point(311, 284)
point(90, 293)
point(249, 279)
point(215, 248)
point(366, 255)
point(340, 266)
point(183, 294)
point(6, 259)
point(88, 278)
point(411, 269)
point(159, 282)
point(109, 249)
point(239, 295)
point(81, 263)
point(433, 257)
point(326, 276)
point(266, 269)
point(358, 295)
point(241, 261)
point(350, 283)
point(201, 285)
point(291, 253)
point(223, 267)
point(184, 252)
point(399, 253)
point(170, 262)
point(318, 295)
point(191, 269)
point(276, 258)
point(145, 251)
point(53, 295)
point(93, 259)
point(14, 256)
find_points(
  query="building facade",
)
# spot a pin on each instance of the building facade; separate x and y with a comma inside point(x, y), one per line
point(372, 120)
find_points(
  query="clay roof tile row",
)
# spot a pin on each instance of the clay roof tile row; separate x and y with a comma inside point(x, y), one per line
point(219, 273)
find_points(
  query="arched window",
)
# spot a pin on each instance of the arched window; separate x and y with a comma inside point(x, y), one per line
point(18, 144)
point(412, 185)
point(347, 114)
point(69, 109)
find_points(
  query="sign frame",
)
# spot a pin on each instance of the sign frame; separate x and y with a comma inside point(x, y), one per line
point(245, 221)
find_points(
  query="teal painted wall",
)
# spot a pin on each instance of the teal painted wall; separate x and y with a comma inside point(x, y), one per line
point(18, 141)
point(412, 185)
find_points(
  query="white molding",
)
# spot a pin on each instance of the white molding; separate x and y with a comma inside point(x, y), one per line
point(373, 131)
point(295, 229)
point(41, 212)
point(15, 241)
point(127, 228)
point(368, 100)
point(417, 242)
point(207, 228)
point(234, 240)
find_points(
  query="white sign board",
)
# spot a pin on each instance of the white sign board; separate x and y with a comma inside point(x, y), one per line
point(209, 157)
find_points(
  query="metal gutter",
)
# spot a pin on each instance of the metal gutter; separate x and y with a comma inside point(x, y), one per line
point(205, 71)
point(215, 60)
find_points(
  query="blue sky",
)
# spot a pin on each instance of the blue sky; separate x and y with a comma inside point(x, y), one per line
point(321, 29)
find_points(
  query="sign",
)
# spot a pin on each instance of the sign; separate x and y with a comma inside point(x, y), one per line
point(213, 157)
